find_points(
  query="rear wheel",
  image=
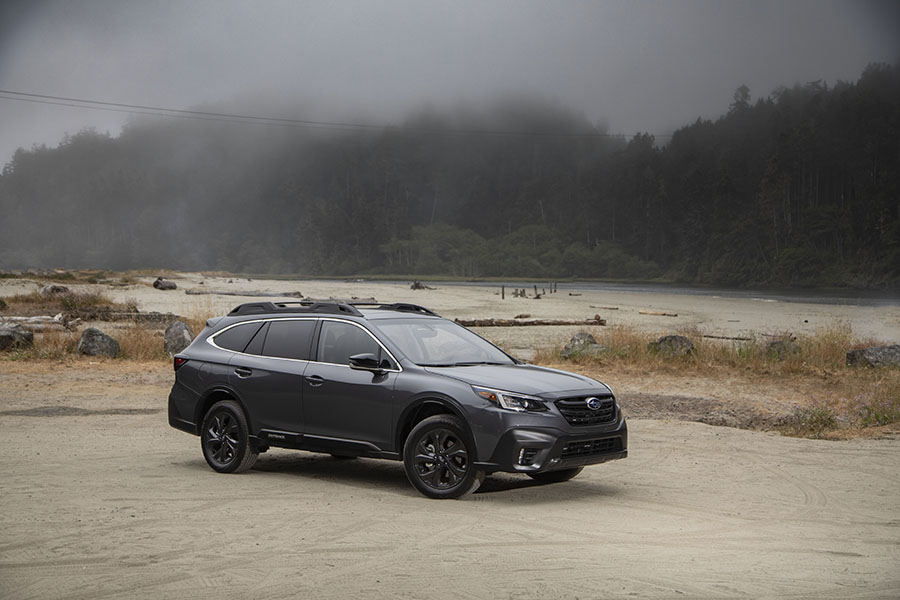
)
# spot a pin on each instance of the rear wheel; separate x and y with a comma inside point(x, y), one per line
point(225, 438)
point(556, 476)
point(438, 458)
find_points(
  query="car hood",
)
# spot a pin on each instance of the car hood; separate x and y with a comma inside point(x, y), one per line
point(524, 379)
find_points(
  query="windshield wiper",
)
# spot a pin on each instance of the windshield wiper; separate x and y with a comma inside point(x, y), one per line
point(473, 363)
point(462, 364)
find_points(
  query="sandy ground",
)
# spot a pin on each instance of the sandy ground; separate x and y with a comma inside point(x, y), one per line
point(101, 499)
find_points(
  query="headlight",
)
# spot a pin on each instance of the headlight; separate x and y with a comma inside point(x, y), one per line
point(511, 400)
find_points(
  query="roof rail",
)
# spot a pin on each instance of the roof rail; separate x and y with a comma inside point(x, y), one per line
point(334, 308)
point(406, 307)
point(259, 308)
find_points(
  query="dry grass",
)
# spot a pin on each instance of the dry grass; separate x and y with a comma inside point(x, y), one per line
point(33, 303)
point(870, 399)
point(853, 399)
point(199, 313)
point(824, 350)
point(137, 341)
point(140, 342)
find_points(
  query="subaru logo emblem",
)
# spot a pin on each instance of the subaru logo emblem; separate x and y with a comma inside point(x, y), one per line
point(593, 403)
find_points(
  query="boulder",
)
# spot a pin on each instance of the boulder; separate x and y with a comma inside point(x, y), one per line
point(178, 336)
point(14, 336)
point(875, 356)
point(94, 342)
point(52, 289)
point(673, 345)
point(581, 344)
point(781, 349)
point(164, 284)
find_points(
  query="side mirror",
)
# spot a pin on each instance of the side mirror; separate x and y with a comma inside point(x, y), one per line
point(365, 362)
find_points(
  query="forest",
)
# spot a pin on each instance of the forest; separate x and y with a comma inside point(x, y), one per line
point(797, 188)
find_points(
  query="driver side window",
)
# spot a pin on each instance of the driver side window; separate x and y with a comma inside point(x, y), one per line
point(339, 341)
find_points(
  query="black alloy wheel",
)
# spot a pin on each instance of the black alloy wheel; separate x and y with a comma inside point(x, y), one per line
point(438, 458)
point(225, 439)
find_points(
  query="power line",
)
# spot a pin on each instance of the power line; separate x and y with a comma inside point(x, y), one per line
point(159, 111)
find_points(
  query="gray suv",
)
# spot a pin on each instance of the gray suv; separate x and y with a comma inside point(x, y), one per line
point(392, 381)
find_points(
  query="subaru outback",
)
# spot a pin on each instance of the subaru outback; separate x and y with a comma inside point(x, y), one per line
point(393, 381)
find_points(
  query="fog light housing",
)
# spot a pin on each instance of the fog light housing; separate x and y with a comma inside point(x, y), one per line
point(527, 456)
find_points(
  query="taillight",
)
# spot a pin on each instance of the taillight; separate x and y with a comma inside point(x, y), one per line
point(179, 362)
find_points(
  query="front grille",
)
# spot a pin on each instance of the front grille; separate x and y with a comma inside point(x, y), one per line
point(591, 447)
point(577, 413)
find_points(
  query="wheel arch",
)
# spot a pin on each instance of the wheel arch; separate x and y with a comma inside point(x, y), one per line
point(217, 394)
point(421, 409)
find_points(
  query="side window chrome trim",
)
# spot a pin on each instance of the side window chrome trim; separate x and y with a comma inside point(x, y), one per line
point(211, 339)
point(212, 342)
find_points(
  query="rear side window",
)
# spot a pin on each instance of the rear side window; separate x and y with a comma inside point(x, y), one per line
point(289, 339)
point(237, 337)
point(256, 344)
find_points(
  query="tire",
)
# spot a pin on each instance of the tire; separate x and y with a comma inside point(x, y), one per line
point(556, 476)
point(438, 457)
point(225, 438)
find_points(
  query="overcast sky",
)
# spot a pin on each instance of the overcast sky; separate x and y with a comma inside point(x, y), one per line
point(636, 65)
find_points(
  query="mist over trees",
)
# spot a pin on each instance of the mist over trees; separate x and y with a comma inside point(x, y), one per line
point(799, 187)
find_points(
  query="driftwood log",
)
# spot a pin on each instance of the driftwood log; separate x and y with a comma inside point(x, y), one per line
point(657, 314)
point(102, 314)
point(597, 320)
point(243, 293)
point(43, 322)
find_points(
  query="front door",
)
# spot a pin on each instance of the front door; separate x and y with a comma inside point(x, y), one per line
point(341, 403)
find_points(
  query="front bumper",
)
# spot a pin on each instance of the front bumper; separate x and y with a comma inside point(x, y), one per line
point(536, 450)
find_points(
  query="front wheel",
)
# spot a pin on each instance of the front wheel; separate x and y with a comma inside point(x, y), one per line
point(438, 458)
point(225, 438)
point(556, 476)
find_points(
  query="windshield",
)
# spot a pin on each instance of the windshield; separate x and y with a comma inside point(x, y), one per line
point(440, 343)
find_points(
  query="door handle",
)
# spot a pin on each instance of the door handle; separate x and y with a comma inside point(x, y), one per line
point(314, 380)
point(243, 373)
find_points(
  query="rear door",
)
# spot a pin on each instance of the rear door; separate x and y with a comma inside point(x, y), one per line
point(268, 373)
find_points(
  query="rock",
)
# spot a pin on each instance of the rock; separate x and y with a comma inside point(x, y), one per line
point(15, 336)
point(164, 284)
point(94, 342)
point(2, 304)
point(673, 345)
point(781, 349)
point(178, 336)
point(582, 344)
point(875, 356)
point(52, 289)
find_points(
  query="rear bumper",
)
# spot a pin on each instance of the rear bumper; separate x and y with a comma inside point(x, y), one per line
point(182, 403)
point(536, 450)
